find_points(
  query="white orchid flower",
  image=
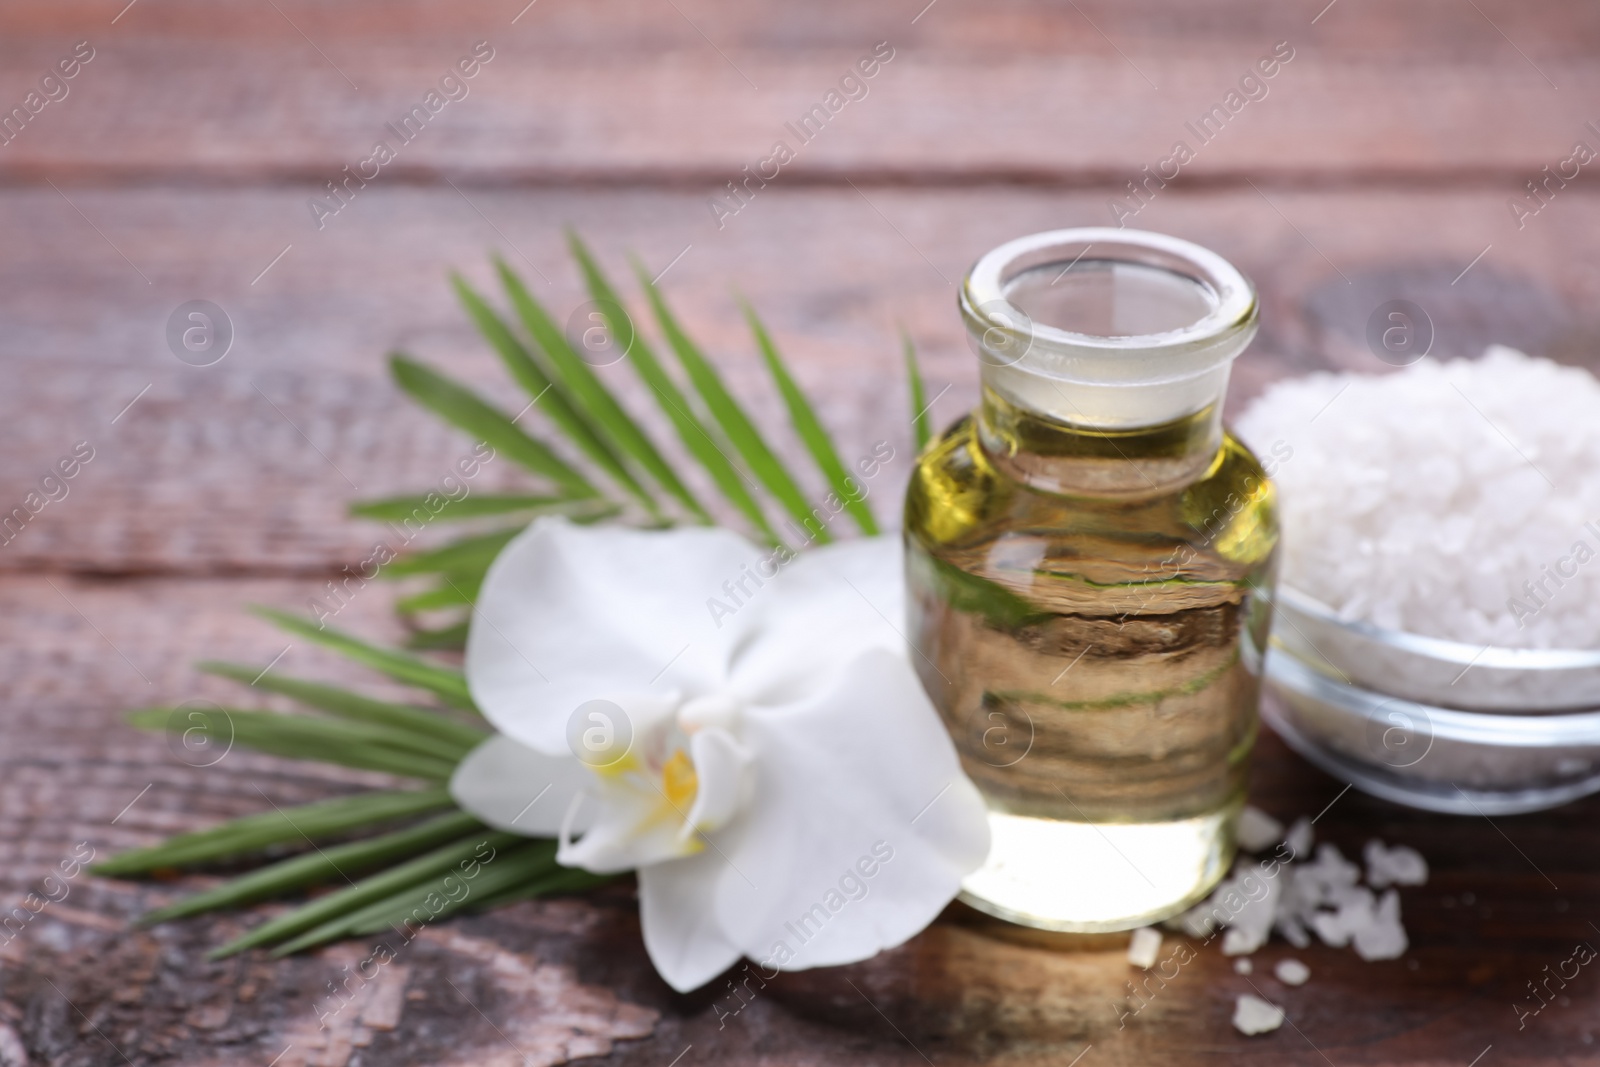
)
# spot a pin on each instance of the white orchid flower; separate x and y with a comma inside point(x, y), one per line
point(752, 737)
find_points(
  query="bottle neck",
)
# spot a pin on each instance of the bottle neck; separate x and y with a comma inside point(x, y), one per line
point(1053, 456)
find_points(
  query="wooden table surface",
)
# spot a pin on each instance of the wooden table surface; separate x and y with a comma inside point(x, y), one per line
point(1381, 163)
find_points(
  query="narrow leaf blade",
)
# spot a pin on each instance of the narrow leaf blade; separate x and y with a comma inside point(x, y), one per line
point(590, 392)
point(551, 396)
point(473, 553)
point(449, 685)
point(318, 866)
point(369, 890)
point(919, 395)
point(453, 591)
point(458, 405)
point(320, 820)
point(811, 430)
point(349, 705)
point(564, 880)
point(737, 425)
point(436, 898)
point(452, 637)
point(311, 737)
point(402, 508)
point(696, 438)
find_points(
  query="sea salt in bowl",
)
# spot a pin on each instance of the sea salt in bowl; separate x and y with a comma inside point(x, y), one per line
point(1369, 706)
point(1436, 636)
point(1433, 670)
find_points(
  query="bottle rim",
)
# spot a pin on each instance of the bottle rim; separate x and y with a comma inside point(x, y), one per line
point(1005, 335)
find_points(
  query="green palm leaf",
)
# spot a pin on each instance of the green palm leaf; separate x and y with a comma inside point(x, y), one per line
point(448, 685)
point(738, 427)
point(350, 705)
point(460, 406)
point(558, 405)
point(378, 887)
point(313, 822)
point(919, 396)
point(320, 865)
point(560, 880)
point(453, 636)
point(473, 554)
point(400, 508)
point(696, 438)
point(810, 429)
point(435, 898)
point(361, 745)
point(456, 589)
point(591, 393)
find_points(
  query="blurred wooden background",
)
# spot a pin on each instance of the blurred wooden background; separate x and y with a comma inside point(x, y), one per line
point(178, 166)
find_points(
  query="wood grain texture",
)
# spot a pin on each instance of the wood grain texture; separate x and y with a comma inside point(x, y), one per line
point(926, 118)
point(626, 91)
point(251, 463)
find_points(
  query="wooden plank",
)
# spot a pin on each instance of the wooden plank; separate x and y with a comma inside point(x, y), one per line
point(1430, 28)
point(627, 92)
point(249, 464)
point(1486, 923)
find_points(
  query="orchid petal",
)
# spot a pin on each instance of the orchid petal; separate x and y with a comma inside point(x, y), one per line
point(820, 611)
point(633, 825)
point(514, 788)
point(859, 778)
point(616, 731)
point(681, 933)
point(568, 613)
point(722, 768)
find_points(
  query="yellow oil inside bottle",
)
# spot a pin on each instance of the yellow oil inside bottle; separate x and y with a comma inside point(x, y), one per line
point(1088, 609)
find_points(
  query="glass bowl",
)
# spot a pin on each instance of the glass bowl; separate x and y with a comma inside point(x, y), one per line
point(1430, 723)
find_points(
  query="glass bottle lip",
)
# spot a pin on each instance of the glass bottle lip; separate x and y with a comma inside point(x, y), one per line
point(1006, 336)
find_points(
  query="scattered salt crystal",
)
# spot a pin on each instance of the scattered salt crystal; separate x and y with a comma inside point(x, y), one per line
point(1144, 947)
point(1292, 972)
point(1331, 928)
point(1292, 930)
point(1299, 838)
point(1322, 894)
point(1336, 928)
point(1250, 905)
point(1252, 1015)
point(1425, 500)
point(1325, 879)
point(1239, 942)
point(1394, 866)
point(1294, 899)
point(1382, 938)
point(1258, 830)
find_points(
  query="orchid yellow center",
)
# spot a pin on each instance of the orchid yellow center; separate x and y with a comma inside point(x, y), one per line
point(678, 780)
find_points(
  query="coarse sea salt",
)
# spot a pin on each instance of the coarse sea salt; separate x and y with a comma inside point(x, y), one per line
point(1455, 499)
point(1252, 1015)
point(1258, 830)
point(1394, 866)
point(1292, 972)
point(1144, 947)
point(1321, 896)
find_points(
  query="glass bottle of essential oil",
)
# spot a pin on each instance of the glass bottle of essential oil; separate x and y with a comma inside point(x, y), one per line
point(1090, 559)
